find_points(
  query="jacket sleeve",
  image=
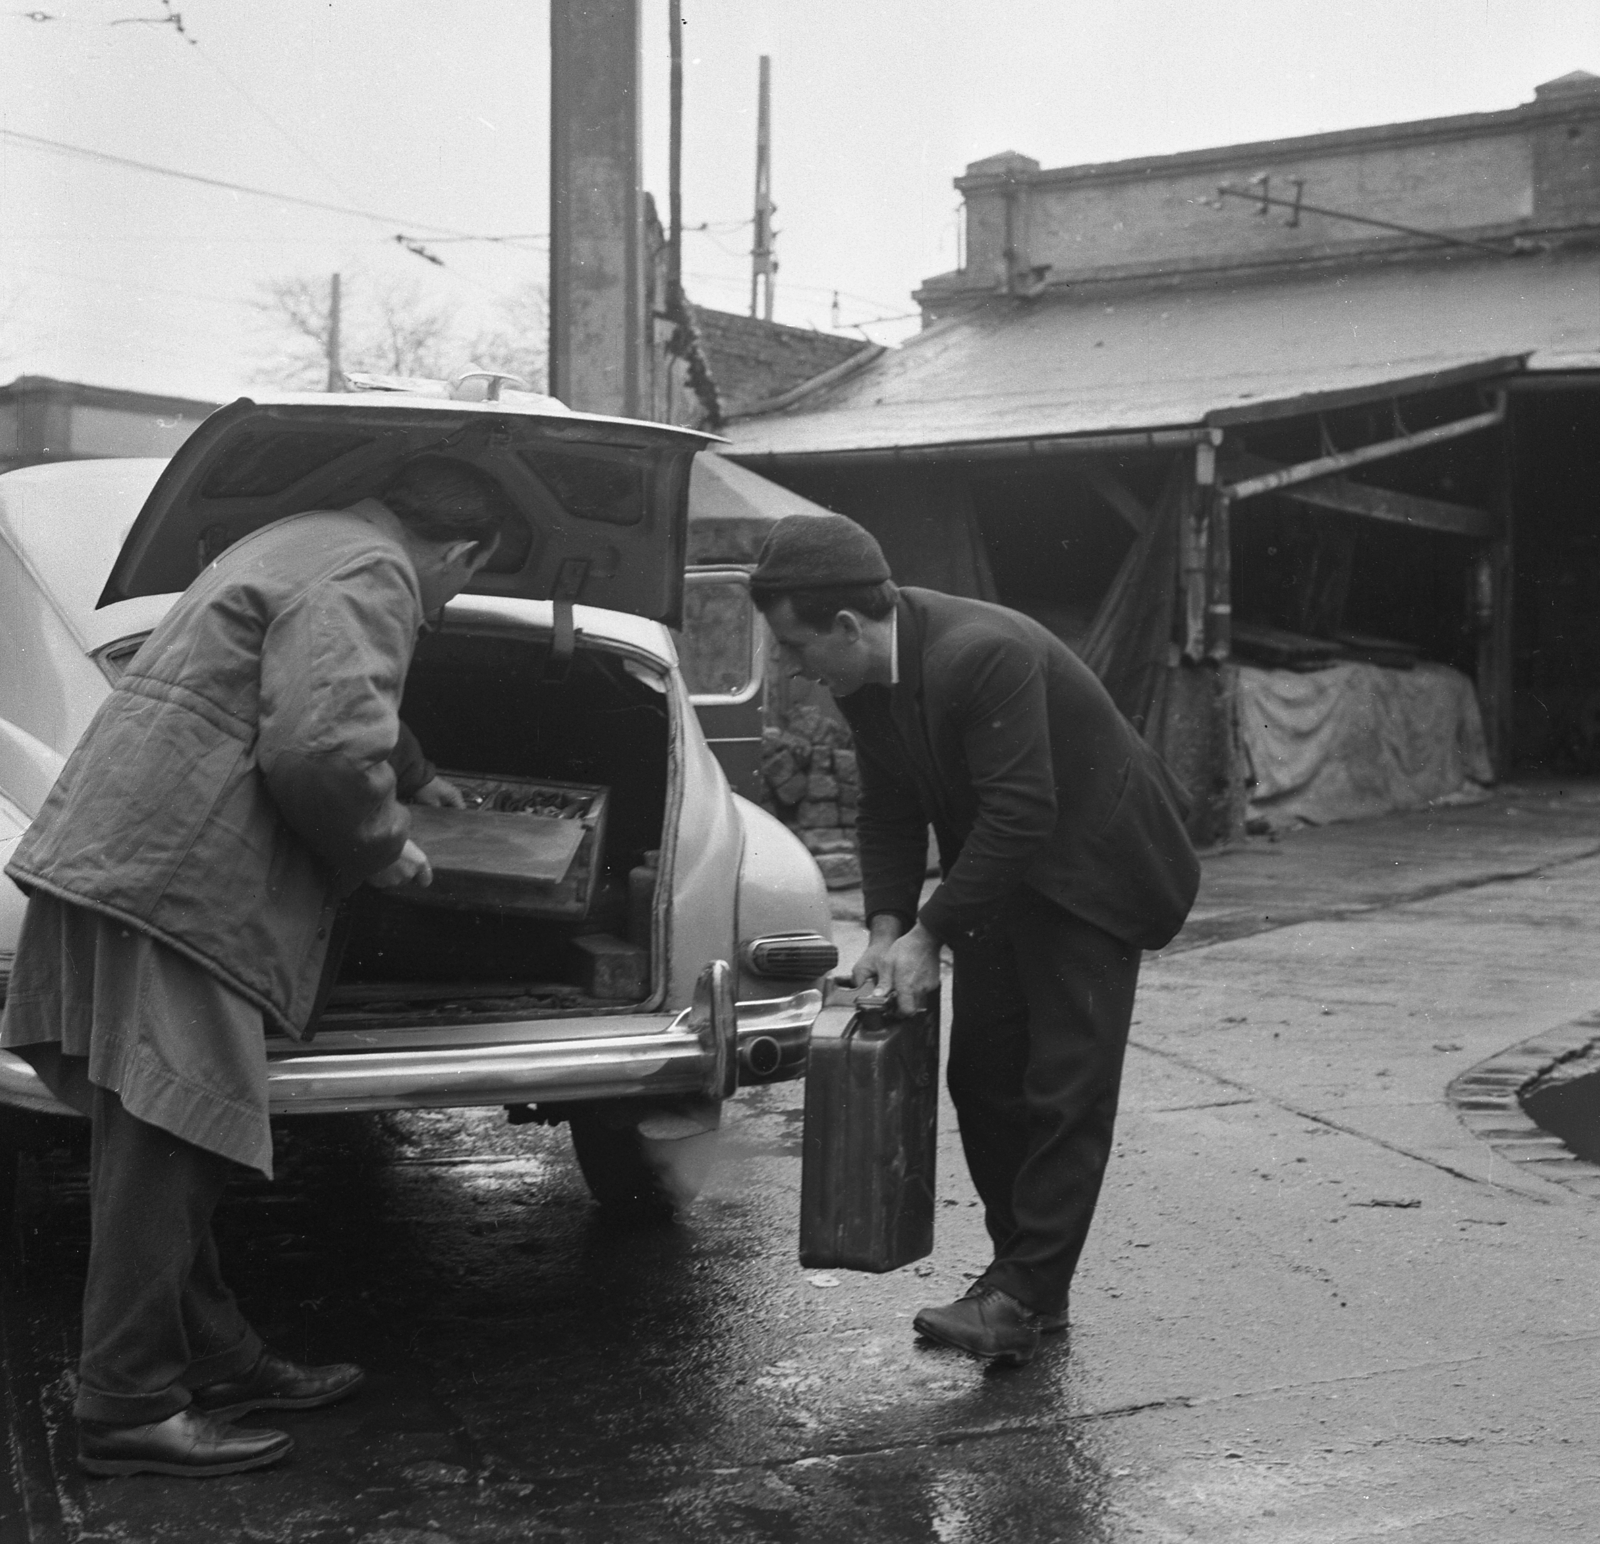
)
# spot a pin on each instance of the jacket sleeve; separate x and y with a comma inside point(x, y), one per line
point(1001, 709)
point(892, 834)
point(412, 770)
point(333, 665)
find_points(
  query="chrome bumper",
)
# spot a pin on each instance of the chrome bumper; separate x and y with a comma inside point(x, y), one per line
point(541, 1062)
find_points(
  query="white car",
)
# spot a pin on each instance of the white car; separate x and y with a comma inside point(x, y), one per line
point(686, 949)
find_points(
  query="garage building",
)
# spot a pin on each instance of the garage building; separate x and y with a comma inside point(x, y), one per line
point(1297, 442)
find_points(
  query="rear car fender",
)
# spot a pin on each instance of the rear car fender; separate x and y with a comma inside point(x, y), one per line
point(780, 891)
point(28, 767)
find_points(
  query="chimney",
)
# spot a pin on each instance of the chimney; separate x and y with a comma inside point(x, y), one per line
point(1565, 87)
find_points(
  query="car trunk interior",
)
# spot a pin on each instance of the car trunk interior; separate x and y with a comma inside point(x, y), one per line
point(492, 705)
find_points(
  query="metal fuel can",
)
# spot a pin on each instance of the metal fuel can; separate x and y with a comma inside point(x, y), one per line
point(870, 1144)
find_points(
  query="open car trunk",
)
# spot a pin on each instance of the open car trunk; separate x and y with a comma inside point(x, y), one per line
point(565, 766)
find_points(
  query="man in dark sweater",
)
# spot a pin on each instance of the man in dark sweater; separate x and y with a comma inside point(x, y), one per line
point(1062, 855)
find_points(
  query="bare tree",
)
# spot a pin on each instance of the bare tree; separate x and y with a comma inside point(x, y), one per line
point(295, 312)
point(405, 337)
point(389, 329)
point(518, 342)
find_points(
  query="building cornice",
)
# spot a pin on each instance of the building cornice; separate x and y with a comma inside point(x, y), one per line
point(1573, 106)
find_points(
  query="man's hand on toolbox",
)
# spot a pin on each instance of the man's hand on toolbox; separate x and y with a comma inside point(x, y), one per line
point(440, 793)
point(410, 868)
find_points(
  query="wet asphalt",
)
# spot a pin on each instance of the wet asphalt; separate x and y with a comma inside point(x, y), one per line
point(1315, 1306)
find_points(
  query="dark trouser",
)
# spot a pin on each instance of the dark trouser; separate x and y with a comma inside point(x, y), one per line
point(157, 1319)
point(1039, 1026)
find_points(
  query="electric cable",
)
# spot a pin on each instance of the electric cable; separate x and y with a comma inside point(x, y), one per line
point(132, 284)
point(60, 147)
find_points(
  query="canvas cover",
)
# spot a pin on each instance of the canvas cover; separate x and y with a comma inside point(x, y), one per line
point(1354, 741)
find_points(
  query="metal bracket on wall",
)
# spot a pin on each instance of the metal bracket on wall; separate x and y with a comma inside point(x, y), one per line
point(1257, 194)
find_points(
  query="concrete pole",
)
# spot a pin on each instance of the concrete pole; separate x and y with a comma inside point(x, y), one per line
point(335, 366)
point(763, 265)
point(675, 156)
point(597, 313)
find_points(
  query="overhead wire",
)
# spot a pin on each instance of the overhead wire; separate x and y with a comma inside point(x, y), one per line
point(727, 281)
point(132, 284)
point(437, 234)
point(209, 240)
point(542, 236)
point(727, 251)
point(174, 20)
point(60, 147)
point(267, 118)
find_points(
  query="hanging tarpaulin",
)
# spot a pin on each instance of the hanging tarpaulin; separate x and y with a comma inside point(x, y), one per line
point(1183, 708)
point(1129, 643)
point(1353, 741)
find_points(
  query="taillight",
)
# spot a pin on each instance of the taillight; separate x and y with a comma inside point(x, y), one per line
point(796, 956)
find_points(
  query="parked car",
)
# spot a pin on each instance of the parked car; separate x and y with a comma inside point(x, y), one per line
point(557, 671)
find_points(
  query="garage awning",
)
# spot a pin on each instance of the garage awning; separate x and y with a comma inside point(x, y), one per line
point(731, 510)
point(1170, 363)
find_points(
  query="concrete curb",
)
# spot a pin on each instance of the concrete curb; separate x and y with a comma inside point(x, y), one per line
point(1486, 1098)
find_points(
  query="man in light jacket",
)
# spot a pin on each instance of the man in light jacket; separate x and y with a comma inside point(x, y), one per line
point(183, 877)
point(1063, 855)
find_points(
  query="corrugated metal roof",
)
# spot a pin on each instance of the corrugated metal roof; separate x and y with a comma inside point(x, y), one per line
point(1171, 357)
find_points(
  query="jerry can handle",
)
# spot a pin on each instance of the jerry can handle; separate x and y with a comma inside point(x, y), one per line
point(873, 998)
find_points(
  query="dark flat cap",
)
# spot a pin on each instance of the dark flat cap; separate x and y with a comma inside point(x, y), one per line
point(818, 552)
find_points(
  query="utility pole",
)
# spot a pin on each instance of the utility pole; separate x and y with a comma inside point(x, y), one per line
point(598, 326)
point(335, 368)
point(675, 156)
point(763, 265)
point(685, 341)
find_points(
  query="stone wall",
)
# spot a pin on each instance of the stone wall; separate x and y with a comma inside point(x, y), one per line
point(813, 787)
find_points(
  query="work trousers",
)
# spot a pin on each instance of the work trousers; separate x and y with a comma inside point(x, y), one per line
point(1039, 1027)
point(157, 1317)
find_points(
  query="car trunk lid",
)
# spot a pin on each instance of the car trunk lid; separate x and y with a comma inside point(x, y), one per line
point(601, 503)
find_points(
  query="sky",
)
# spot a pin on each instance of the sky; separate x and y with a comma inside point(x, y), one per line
point(429, 119)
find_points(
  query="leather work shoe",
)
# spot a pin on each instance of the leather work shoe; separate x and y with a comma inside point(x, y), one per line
point(188, 1443)
point(275, 1383)
point(986, 1323)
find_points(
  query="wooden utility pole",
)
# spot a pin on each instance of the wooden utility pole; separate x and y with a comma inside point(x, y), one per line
point(1494, 595)
point(335, 367)
point(763, 265)
point(597, 308)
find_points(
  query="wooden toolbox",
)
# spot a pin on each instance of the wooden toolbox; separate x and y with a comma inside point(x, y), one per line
point(523, 845)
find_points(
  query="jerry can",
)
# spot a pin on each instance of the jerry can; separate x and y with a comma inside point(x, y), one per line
point(870, 1143)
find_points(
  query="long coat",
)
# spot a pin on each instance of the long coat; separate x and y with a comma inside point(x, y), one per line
point(1003, 740)
point(235, 783)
